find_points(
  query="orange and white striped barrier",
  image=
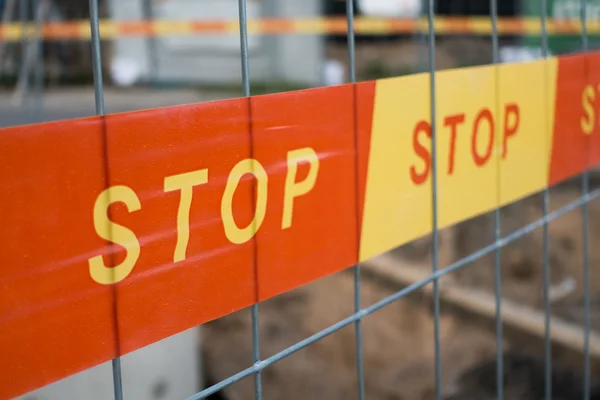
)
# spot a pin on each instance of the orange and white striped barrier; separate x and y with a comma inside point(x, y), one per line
point(80, 30)
point(122, 230)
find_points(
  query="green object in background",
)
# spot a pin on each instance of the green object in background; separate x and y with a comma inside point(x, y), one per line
point(562, 10)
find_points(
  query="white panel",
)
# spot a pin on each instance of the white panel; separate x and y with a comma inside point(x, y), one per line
point(126, 9)
point(390, 8)
point(300, 57)
point(166, 370)
point(130, 48)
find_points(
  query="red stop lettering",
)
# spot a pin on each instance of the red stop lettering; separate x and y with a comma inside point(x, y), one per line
point(419, 178)
point(484, 115)
point(453, 121)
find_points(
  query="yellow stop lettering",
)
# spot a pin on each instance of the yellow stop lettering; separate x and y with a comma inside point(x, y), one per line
point(588, 96)
point(234, 233)
point(293, 188)
point(115, 233)
point(185, 184)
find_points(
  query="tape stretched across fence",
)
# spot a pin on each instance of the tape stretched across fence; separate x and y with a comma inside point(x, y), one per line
point(120, 231)
point(80, 30)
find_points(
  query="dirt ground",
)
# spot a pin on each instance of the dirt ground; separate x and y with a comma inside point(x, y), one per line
point(522, 271)
point(398, 339)
point(398, 351)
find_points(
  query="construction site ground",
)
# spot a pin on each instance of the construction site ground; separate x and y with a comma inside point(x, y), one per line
point(398, 340)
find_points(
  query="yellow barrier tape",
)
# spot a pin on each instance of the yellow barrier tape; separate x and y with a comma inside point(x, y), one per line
point(77, 30)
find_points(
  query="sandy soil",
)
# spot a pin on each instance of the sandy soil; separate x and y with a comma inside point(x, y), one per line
point(398, 351)
point(522, 262)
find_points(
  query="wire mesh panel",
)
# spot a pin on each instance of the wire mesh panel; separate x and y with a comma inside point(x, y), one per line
point(370, 206)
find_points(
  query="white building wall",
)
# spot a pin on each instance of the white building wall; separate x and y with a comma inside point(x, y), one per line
point(301, 57)
point(215, 59)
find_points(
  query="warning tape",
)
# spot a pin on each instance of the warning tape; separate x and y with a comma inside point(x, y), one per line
point(79, 30)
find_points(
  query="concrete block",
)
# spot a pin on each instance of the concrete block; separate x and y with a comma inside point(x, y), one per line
point(166, 370)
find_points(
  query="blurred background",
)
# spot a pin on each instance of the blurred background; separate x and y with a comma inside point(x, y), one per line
point(192, 54)
point(194, 46)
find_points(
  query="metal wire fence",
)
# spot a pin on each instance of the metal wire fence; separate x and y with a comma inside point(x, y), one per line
point(438, 271)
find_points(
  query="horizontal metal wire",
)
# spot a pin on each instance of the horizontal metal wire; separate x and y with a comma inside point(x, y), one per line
point(502, 242)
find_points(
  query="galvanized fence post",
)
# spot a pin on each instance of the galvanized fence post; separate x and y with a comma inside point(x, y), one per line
point(434, 200)
point(99, 102)
point(357, 301)
point(245, 63)
point(497, 215)
point(585, 190)
point(546, 233)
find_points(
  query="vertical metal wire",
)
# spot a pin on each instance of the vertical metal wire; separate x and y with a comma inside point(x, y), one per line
point(38, 71)
point(357, 303)
point(96, 58)
point(497, 226)
point(243, 20)
point(151, 44)
point(256, 352)
point(434, 210)
point(546, 233)
point(99, 102)
point(585, 189)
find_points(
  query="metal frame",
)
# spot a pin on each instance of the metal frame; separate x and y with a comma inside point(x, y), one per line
point(437, 272)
